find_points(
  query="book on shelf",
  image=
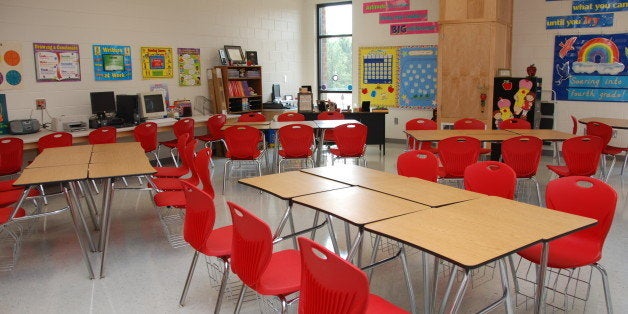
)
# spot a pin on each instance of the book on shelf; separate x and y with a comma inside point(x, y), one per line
point(239, 89)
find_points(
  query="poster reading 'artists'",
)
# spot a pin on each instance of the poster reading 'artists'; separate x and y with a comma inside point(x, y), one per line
point(591, 67)
point(157, 62)
point(57, 62)
point(112, 63)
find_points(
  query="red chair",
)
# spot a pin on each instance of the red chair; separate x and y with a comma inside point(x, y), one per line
point(198, 224)
point(331, 285)
point(456, 153)
point(418, 164)
point(146, 134)
point(420, 124)
point(214, 130)
point(515, 124)
point(290, 116)
point(175, 172)
point(14, 231)
point(328, 136)
point(523, 154)
point(174, 184)
point(574, 128)
point(350, 142)
point(102, 135)
point(57, 139)
point(252, 117)
point(581, 154)
point(183, 126)
point(472, 124)
point(254, 262)
point(296, 142)
point(581, 196)
point(492, 178)
point(11, 155)
point(242, 144)
point(605, 132)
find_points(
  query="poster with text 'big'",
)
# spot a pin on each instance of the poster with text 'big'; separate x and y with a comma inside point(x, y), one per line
point(10, 65)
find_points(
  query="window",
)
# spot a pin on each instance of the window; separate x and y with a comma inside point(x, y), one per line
point(335, 73)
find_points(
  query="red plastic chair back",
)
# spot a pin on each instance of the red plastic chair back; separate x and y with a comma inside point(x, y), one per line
point(602, 130)
point(492, 178)
point(330, 115)
point(187, 158)
point(214, 126)
point(515, 124)
point(11, 154)
point(456, 153)
point(58, 139)
point(574, 129)
point(584, 196)
point(350, 139)
point(522, 154)
point(469, 124)
point(146, 134)
point(252, 245)
point(290, 116)
point(252, 117)
point(296, 141)
point(420, 124)
point(200, 215)
point(102, 135)
point(185, 125)
point(242, 142)
point(202, 165)
point(329, 284)
point(419, 164)
point(582, 154)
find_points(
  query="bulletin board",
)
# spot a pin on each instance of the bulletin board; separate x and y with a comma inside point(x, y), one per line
point(379, 75)
point(112, 63)
point(157, 62)
point(189, 66)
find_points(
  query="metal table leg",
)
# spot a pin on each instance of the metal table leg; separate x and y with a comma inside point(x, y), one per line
point(539, 301)
point(75, 222)
point(106, 223)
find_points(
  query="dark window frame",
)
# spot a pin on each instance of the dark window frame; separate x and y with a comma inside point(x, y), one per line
point(319, 38)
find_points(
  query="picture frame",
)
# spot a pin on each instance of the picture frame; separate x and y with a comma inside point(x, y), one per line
point(305, 102)
point(222, 55)
point(251, 57)
point(503, 72)
point(235, 54)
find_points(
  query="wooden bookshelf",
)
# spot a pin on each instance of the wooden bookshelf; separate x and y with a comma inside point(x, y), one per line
point(242, 87)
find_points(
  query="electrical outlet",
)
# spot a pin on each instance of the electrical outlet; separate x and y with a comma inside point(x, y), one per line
point(40, 104)
point(614, 133)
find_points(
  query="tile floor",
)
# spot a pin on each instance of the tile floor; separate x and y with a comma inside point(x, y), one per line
point(146, 275)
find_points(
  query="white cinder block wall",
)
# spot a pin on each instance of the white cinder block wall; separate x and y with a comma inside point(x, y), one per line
point(270, 27)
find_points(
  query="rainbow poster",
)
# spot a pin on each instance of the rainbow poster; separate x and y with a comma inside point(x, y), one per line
point(591, 67)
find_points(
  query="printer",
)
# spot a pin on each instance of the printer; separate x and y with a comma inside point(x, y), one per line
point(70, 123)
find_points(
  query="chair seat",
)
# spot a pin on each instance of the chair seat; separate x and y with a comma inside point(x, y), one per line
point(7, 185)
point(208, 138)
point(612, 150)
point(443, 174)
point(376, 305)
point(12, 196)
point(282, 275)
point(219, 242)
point(563, 171)
point(6, 211)
point(283, 154)
point(485, 150)
point(336, 152)
point(257, 154)
point(170, 143)
point(169, 172)
point(170, 198)
point(566, 252)
point(168, 184)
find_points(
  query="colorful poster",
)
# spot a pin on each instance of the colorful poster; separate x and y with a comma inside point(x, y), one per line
point(598, 6)
point(112, 63)
point(383, 6)
point(579, 21)
point(417, 76)
point(10, 65)
point(4, 115)
point(403, 17)
point(157, 62)
point(57, 62)
point(189, 66)
point(591, 67)
point(379, 76)
point(414, 28)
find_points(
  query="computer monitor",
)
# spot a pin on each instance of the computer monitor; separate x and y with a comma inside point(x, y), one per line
point(127, 108)
point(102, 102)
point(276, 93)
point(152, 105)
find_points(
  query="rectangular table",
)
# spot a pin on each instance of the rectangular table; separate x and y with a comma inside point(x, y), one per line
point(615, 123)
point(349, 174)
point(59, 156)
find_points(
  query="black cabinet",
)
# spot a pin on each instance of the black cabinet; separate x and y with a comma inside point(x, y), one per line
point(375, 121)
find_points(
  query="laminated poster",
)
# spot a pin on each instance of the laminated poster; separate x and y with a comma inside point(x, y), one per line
point(157, 62)
point(10, 65)
point(57, 62)
point(112, 63)
point(189, 66)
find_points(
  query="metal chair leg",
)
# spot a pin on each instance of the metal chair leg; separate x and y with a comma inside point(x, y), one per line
point(188, 280)
point(607, 288)
point(223, 283)
point(240, 298)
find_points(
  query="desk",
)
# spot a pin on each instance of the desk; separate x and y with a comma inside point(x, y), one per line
point(438, 135)
point(375, 121)
point(275, 125)
point(476, 232)
point(615, 123)
point(349, 174)
point(61, 156)
point(260, 125)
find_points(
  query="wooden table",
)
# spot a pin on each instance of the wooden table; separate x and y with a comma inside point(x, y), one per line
point(349, 174)
point(438, 135)
point(276, 125)
point(615, 123)
point(61, 156)
point(476, 232)
point(260, 125)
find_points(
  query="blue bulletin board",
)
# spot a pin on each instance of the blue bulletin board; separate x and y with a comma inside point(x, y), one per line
point(591, 68)
point(417, 72)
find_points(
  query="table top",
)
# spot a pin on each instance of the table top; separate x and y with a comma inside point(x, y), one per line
point(544, 134)
point(261, 125)
point(421, 191)
point(359, 206)
point(121, 147)
point(482, 135)
point(275, 125)
point(349, 174)
point(613, 122)
point(287, 185)
point(473, 233)
point(330, 124)
point(62, 156)
point(129, 167)
point(116, 157)
point(52, 174)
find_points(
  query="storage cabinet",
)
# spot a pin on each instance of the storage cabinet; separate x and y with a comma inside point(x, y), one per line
point(242, 87)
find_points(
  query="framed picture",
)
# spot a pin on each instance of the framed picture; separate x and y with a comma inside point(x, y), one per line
point(234, 54)
point(251, 57)
point(503, 72)
point(305, 102)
